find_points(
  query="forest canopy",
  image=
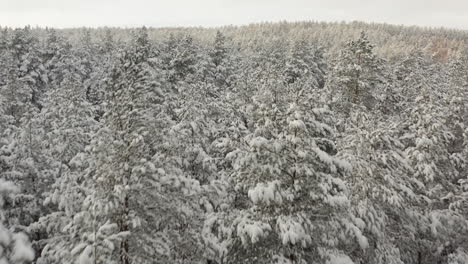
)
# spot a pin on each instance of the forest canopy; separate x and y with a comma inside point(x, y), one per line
point(301, 142)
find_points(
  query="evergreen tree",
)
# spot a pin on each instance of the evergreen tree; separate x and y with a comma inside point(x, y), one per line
point(56, 58)
point(14, 247)
point(383, 194)
point(179, 57)
point(289, 183)
point(121, 156)
point(222, 69)
point(305, 61)
point(68, 130)
point(356, 75)
point(28, 69)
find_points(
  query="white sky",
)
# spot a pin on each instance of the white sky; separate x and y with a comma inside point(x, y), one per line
point(158, 13)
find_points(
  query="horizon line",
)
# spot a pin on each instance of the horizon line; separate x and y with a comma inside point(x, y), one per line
point(222, 25)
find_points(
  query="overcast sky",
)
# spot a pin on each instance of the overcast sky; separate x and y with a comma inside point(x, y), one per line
point(158, 13)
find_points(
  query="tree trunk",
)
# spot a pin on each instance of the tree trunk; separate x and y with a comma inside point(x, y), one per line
point(124, 245)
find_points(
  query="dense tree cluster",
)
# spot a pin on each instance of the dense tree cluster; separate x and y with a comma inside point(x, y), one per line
point(169, 146)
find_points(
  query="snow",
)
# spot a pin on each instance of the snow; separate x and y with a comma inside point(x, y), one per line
point(460, 256)
point(253, 231)
point(344, 165)
point(77, 160)
point(78, 248)
point(107, 228)
point(209, 237)
point(209, 151)
point(357, 232)
point(278, 259)
point(6, 188)
point(5, 237)
point(22, 250)
point(259, 142)
point(86, 257)
point(435, 222)
point(359, 223)
point(266, 193)
point(337, 200)
point(161, 246)
point(423, 142)
point(292, 231)
point(339, 259)
point(429, 171)
point(297, 125)
point(323, 156)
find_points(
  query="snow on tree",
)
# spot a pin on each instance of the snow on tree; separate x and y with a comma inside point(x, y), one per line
point(221, 67)
point(382, 190)
point(122, 164)
point(179, 56)
point(4, 64)
point(356, 75)
point(15, 247)
point(56, 58)
point(22, 161)
point(69, 126)
point(24, 79)
point(29, 69)
point(125, 198)
point(188, 145)
point(294, 197)
point(305, 61)
point(435, 169)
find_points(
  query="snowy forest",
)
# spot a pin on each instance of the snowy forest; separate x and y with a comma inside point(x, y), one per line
point(286, 143)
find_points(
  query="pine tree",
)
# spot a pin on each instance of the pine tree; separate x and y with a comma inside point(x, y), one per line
point(121, 159)
point(305, 61)
point(428, 138)
point(290, 186)
point(22, 160)
point(179, 57)
point(68, 128)
point(6, 59)
point(14, 247)
point(56, 57)
point(128, 204)
point(222, 69)
point(383, 194)
point(356, 75)
point(28, 70)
